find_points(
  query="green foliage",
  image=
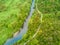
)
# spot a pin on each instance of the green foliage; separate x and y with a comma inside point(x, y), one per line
point(14, 13)
point(48, 6)
point(12, 19)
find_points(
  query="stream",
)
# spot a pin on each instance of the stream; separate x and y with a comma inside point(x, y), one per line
point(23, 31)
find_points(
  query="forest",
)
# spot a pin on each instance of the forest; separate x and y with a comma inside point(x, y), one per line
point(29, 22)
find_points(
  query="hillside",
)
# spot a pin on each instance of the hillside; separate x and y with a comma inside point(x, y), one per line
point(43, 27)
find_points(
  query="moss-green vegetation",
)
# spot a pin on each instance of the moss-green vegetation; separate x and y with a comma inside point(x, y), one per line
point(12, 17)
point(49, 32)
point(14, 13)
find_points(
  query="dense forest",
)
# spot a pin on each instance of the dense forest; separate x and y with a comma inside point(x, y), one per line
point(43, 26)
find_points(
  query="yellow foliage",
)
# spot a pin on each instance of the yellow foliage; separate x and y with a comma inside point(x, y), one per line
point(43, 21)
point(30, 21)
point(40, 31)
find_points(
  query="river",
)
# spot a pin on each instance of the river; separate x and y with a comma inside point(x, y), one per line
point(23, 31)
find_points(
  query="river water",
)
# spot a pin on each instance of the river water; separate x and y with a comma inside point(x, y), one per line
point(23, 30)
